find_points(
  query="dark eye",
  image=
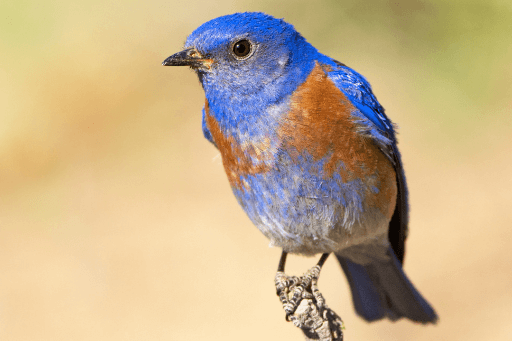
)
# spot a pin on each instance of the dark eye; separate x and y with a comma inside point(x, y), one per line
point(242, 48)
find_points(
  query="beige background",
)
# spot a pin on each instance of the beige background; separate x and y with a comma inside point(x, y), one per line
point(117, 221)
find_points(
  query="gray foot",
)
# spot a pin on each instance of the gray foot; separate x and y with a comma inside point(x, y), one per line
point(305, 306)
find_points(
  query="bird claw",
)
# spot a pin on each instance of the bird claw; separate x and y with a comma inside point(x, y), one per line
point(305, 286)
point(305, 306)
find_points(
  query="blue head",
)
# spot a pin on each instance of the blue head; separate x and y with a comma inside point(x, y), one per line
point(246, 62)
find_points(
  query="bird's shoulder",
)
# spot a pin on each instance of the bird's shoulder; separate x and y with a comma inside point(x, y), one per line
point(359, 92)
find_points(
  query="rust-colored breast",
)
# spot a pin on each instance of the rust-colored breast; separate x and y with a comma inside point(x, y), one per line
point(320, 122)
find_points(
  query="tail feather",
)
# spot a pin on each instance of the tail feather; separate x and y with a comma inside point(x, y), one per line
point(381, 289)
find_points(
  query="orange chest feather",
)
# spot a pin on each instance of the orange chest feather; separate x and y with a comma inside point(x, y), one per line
point(320, 122)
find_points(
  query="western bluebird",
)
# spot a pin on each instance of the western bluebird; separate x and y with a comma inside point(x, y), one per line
point(310, 154)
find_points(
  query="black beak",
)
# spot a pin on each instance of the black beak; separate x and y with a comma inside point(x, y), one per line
point(188, 57)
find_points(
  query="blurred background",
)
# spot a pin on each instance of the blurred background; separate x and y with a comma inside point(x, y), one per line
point(116, 218)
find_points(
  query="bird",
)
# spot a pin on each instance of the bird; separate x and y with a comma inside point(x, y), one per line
point(309, 153)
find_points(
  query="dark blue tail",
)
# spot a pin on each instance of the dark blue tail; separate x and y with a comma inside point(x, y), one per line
point(381, 289)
